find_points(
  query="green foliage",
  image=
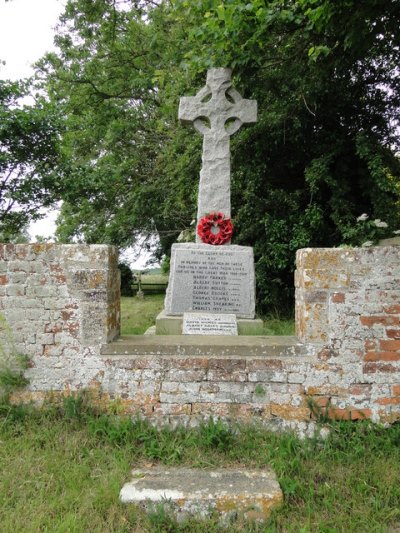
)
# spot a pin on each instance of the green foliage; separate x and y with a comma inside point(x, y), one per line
point(12, 365)
point(322, 152)
point(126, 279)
point(320, 414)
point(30, 170)
point(137, 315)
point(365, 232)
point(259, 390)
point(216, 434)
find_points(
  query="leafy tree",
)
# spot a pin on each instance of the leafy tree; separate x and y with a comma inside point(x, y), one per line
point(105, 79)
point(326, 80)
point(126, 279)
point(324, 73)
point(29, 158)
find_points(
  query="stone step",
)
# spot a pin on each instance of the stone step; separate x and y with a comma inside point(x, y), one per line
point(183, 492)
point(206, 346)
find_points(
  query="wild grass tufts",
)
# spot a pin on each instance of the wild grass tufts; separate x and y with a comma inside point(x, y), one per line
point(62, 469)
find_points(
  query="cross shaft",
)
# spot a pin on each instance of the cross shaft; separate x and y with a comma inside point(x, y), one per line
point(217, 111)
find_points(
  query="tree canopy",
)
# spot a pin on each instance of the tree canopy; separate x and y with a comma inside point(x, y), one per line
point(325, 75)
point(29, 158)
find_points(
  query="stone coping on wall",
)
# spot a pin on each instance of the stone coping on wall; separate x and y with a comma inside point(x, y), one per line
point(206, 345)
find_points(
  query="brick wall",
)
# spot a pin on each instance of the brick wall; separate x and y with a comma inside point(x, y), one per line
point(348, 306)
point(58, 304)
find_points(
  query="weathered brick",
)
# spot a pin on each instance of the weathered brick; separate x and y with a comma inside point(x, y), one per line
point(172, 409)
point(325, 354)
point(219, 374)
point(382, 356)
point(370, 345)
point(188, 362)
point(294, 377)
point(392, 309)
point(264, 364)
point(370, 321)
point(360, 389)
point(349, 414)
point(322, 401)
point(288, 412)
point(186, 375)
point(334, 290)
point(268, 375)
point(360, 414)
point(392, 345)
point(388, 401)
point(325, 390)
point(338, 297)
point(371, 368)
point(45, 338)
point(316, 297)
point(393, 333)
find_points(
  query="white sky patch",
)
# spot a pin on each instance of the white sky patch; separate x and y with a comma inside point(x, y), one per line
point(26, 34)
point(138, 256)
point(44, 227)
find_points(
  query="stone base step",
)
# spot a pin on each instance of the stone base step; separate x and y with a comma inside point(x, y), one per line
point(206, 345)
point(185, 492)
point(172, 325)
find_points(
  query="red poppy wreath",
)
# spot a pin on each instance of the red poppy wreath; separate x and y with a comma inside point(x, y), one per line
point(214, 228)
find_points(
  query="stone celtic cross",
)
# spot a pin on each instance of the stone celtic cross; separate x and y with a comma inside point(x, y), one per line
point(217, 111)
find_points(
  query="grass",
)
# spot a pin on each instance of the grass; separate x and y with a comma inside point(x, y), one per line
point(137, 315)
point(62, 469)
point(276, 326)
point(155, 277)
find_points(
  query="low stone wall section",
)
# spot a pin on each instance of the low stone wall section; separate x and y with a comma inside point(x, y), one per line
point(348, 308)
point(58, 304)
point(61, 304)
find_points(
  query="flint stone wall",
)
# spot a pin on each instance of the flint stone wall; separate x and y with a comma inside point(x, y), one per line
point(62, 305)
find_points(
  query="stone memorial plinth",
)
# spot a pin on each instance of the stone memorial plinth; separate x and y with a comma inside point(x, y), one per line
point(215, 279)
point(211, 275)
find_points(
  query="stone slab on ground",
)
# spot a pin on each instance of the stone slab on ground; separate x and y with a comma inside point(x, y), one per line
point(185, 492)
point(172, 325)
point(207, 278)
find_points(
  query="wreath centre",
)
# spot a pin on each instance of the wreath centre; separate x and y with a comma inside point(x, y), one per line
point(215, 228)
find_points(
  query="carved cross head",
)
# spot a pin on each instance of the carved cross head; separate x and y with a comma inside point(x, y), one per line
point(217, 109)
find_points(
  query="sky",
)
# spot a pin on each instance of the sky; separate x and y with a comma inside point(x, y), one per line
point(26, 34)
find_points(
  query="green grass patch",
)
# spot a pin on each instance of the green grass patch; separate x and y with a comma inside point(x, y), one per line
point(277, 326)
point(62, 469)
point(154, 277)
point(137, 315)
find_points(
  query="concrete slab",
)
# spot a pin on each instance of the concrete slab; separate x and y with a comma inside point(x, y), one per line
point(185, 492)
